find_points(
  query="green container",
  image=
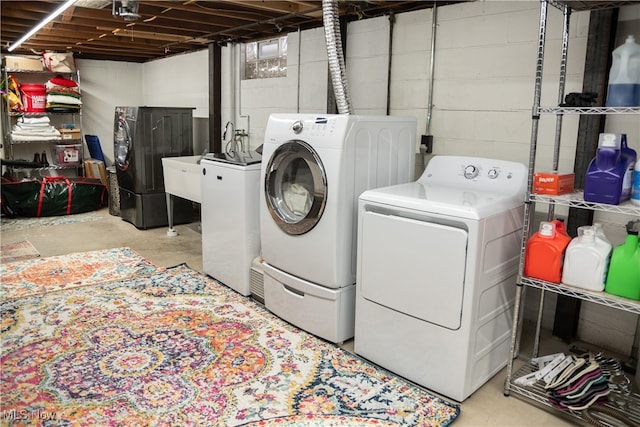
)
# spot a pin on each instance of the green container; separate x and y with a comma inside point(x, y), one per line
point(624, 270)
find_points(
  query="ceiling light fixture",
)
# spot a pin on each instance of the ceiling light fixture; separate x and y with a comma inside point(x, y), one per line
point(127, 9)
point(42, 23)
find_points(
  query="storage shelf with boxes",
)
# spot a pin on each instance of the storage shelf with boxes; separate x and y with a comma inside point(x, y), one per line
point(42, 118)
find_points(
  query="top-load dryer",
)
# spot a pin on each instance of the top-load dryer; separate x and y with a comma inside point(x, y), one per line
point(314, 168)
point(437, 265)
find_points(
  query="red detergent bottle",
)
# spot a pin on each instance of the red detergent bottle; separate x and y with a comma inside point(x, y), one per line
point(544, 252)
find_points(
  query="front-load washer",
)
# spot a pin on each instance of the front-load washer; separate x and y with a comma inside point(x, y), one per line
point(314, 168)
point(437, 261)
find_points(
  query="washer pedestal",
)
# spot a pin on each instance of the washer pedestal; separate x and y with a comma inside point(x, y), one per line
point(327, 312)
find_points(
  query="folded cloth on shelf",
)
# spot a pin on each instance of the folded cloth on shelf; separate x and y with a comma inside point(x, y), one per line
point(34, 131)
point(60, 108)
point(62, 90)
point(63, 95)
point(63, 99)
point(49, 131)
point(28, 124)
point(25, 138)
point(34, 120)
point(32, 125)
point(61, 81)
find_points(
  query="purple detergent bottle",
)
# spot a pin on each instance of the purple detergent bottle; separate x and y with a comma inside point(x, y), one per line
point(610, 174)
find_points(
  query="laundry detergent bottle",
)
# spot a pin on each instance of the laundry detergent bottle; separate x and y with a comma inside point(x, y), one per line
point(598, 229)
point(623, 278)
point(635, 188)
point(610, 173)
point(586, 260)
point(544, 251)
point(624, 75)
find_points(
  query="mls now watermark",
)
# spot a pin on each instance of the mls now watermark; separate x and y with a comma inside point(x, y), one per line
point(24, 415)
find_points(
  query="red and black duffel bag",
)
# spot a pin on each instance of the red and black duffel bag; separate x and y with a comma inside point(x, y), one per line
point(52, 196)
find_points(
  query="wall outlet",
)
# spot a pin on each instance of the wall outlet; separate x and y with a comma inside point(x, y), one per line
point(427, 142)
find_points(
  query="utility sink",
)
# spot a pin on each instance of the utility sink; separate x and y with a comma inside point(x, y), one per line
point(182, 177)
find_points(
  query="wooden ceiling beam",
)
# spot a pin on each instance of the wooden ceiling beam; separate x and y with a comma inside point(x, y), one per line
point(172, 26)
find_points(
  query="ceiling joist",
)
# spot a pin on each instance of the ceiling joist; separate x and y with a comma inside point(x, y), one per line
point(165, 28)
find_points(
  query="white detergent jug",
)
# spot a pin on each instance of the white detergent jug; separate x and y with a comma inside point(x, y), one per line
point(598, 230)
point(624, 76)
point(586, 261)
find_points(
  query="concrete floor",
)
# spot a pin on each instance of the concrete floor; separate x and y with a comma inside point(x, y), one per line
point(486, 407)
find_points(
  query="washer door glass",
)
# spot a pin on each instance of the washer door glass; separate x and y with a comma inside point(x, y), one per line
point(122, 143)
point(295, 187)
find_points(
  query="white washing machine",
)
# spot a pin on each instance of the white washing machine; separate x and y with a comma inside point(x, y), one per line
point(230, 217)
point(314, 168)
point(436, 278)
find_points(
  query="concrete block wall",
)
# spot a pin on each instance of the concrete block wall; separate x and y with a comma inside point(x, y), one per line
point(485, 63)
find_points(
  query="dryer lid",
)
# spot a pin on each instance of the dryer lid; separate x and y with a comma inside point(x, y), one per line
point(464, 187)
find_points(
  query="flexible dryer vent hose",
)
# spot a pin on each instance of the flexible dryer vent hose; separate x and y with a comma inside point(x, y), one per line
point(337, 69)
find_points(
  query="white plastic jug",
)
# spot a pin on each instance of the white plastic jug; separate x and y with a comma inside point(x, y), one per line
point(586, 261)
point(624, 76)
point(598, 230)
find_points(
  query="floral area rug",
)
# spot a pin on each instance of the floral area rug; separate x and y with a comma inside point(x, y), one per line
point(42, 275)
point(174, 347)
point(17, 251)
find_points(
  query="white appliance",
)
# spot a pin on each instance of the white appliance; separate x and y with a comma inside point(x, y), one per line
point(230, 217)
point(437, 261)
point(314, 169)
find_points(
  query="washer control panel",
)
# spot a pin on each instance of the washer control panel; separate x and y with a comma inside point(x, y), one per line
point(317, 126)
point(297, 126)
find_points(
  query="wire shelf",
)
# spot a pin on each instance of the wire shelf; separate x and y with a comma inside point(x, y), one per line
point(536, 393)
point(601, 298)
point(576, 200)
point(589, 110)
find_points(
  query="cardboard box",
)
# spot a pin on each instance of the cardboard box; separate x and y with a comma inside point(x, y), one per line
point(23, 63)
point(553, 183)
point(95, 169)
point(70, 134)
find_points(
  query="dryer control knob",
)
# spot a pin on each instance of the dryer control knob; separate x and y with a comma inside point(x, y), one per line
point(297, 127)
point(493, 173)
point(471, 172)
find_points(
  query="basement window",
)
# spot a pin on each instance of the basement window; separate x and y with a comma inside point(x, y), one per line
point(265, 59)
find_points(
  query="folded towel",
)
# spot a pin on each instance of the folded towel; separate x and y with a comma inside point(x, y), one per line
point(24, 138)
point(34, 120)
point(45, 132)
point(63, 108)
point(61, 81)
point(53, 88)
point(31, 127)
point(63, 99)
